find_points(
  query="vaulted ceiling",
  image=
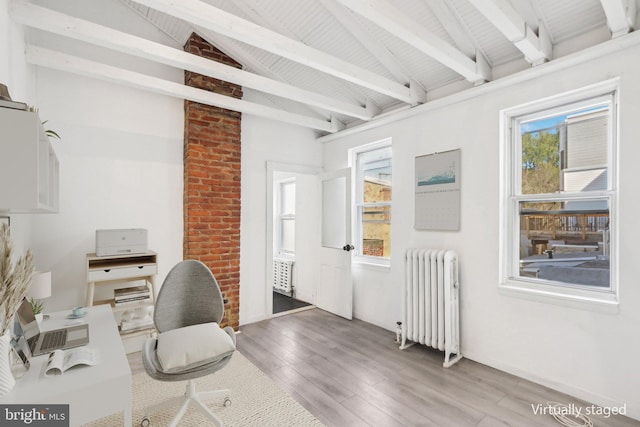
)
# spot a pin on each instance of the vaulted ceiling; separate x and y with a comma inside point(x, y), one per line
point(331, 64)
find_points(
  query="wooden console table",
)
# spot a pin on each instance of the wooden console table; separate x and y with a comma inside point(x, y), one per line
point(122, 269)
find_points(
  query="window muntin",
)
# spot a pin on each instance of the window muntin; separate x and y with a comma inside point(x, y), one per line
point(373, 190)
point(562, 196)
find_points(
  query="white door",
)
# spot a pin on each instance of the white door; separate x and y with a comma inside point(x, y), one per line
point(335, 290)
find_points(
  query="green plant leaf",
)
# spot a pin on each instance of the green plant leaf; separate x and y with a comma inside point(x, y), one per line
point(36, 306)
point(52, 134)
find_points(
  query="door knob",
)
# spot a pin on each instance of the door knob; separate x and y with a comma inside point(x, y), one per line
point(348, 247)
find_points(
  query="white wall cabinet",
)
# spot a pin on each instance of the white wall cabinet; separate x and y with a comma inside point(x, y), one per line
point(29, 167)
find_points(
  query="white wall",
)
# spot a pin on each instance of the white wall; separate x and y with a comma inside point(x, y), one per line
point(14, 71)
point(265, 141)
point(120, 167)
point(586, 353)
point(18, 77)
point(120, 156)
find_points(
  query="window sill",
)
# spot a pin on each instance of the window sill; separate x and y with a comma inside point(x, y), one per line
point(591, 301)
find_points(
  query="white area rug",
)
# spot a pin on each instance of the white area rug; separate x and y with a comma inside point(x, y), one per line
point(256, 400)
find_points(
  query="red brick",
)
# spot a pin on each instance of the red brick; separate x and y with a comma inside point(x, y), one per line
point(212, 156)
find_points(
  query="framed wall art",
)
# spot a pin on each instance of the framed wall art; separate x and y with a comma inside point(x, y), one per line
point(437, 191)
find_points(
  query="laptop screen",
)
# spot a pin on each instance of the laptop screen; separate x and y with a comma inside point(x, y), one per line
point(27, 320)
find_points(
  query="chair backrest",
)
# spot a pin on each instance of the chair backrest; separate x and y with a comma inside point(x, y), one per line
point(189, 295)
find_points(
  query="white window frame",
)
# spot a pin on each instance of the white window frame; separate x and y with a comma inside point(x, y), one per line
point(281, 217)
point(510, 182)
point(358, 204)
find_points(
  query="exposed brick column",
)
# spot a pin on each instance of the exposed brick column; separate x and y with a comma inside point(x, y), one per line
point(212, 180)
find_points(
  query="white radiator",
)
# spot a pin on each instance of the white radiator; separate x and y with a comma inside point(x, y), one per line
point(430, 302)
point(282, 270)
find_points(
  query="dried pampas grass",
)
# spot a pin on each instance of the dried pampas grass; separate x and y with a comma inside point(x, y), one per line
point(14, 280)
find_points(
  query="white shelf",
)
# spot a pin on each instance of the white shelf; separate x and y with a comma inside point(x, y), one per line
point(121, 308)
point(128, 268)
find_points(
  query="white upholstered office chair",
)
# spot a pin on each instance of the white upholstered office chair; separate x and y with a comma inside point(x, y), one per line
point(190, 344)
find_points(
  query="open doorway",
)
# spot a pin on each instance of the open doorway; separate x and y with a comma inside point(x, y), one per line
point(292, 235)
point(284, 242)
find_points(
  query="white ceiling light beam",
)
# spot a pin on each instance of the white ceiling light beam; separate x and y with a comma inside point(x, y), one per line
point(219, 21)
point(78, 29)
point(536, 48)
point(386, 16)
point(621, 16)
point(72, 64)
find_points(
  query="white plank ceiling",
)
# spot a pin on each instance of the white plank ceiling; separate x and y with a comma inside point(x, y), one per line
point(332, 64)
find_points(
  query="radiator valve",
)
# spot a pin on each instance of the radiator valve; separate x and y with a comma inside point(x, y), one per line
point(398, 331)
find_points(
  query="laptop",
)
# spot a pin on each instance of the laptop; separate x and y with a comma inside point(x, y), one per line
point(45, 342)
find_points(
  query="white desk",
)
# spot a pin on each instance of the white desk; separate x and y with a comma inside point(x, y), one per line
point(92, 392)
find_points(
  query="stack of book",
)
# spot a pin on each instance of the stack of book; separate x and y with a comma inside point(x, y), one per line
point(136, 324)
point(128, 296)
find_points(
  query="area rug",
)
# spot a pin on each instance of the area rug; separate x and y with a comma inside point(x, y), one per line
point(256, 400)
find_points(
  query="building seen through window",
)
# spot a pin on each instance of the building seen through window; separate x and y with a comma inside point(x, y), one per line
point(564, 215)
point(373, 202)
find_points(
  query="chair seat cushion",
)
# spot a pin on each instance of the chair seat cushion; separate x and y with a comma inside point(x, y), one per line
point(192, 346)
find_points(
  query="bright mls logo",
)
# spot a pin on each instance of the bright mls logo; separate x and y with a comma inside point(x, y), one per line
point(34, 415)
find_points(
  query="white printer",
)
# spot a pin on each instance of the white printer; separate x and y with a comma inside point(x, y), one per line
point(121, 241)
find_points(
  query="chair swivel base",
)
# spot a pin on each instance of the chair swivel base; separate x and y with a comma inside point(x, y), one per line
point(191, 397)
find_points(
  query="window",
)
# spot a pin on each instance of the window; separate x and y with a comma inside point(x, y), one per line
point(286, 217)
point(560, 195)
point(372, 197)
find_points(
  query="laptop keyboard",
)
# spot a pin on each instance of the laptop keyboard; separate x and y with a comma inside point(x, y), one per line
point(32, 342)
point(54, 339)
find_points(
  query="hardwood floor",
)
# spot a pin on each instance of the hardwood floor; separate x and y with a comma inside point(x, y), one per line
point(351, 373)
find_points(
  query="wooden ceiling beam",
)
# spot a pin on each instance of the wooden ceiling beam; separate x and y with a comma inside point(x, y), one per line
point(377, 49)
point(222, 22)
point(366, 39)
point(55, 22)
point(386, 16)
point(253, 11)
point(75, 65)
point(536, 48)
point(452, 25)
point(621, 16)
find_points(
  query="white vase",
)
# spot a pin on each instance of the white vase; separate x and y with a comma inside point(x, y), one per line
point(6, 377)
point(39, 318)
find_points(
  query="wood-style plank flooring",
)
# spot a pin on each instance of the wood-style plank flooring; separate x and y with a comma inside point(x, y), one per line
point(351, 373)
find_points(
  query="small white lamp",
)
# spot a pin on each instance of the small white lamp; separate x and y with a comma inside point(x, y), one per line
point(40, 286)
